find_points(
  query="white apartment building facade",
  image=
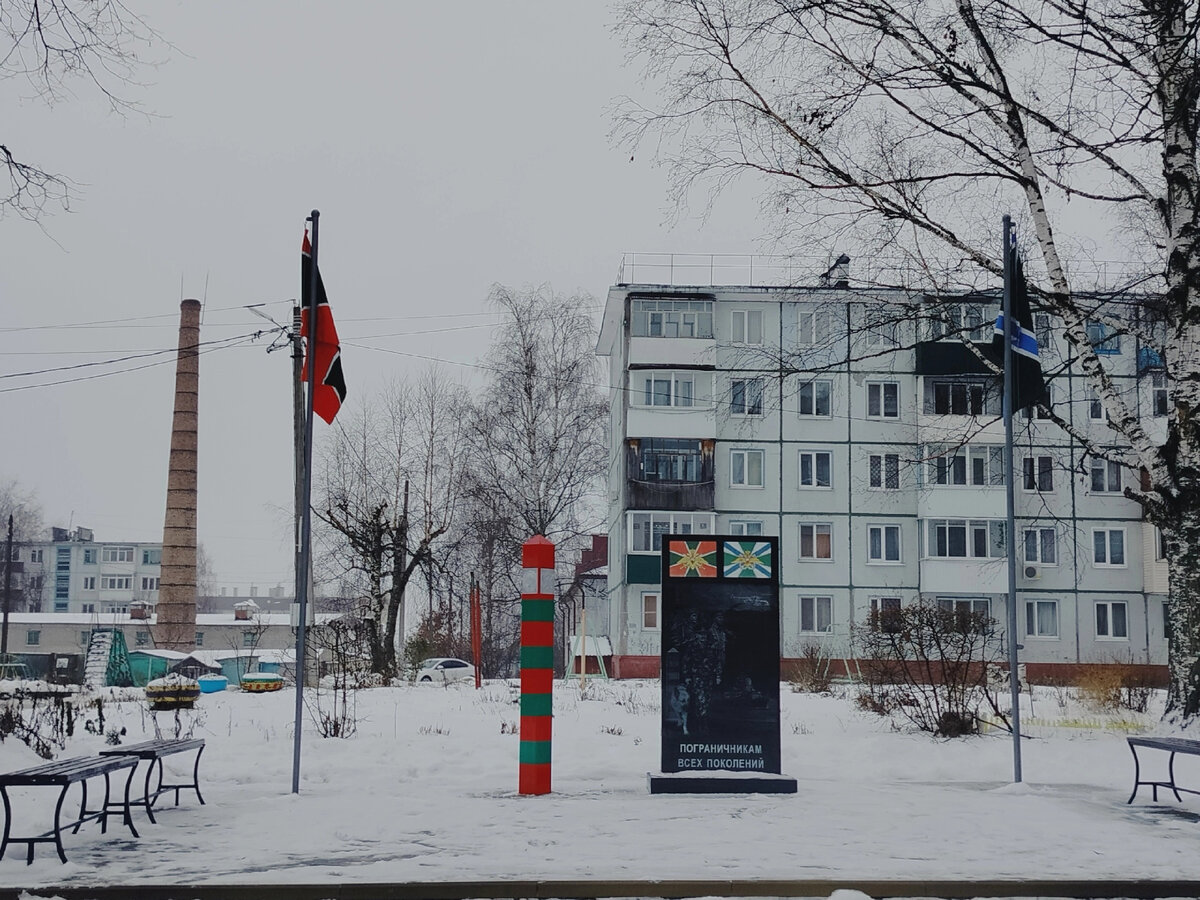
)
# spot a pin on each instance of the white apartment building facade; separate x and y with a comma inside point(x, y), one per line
point(871, 444)
point(74, 573)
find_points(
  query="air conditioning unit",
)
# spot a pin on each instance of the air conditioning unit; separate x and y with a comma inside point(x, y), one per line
point(1031, 572)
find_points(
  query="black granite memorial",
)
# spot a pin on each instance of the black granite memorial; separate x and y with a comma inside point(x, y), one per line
point(720, 666)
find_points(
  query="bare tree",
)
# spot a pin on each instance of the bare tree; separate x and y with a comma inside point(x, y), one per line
point(537, 432)
point(390, 485)
point(909, 125)
point(51, 44)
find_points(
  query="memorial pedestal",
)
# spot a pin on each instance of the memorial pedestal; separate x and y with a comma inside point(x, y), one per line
point(720, 782)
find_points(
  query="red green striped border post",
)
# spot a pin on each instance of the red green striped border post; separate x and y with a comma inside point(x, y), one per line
point(537, 664)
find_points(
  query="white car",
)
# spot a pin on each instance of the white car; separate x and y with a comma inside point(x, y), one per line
point(444, 669)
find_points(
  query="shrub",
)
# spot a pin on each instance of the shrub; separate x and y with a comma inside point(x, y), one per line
point(810, 672)
point(928, 665)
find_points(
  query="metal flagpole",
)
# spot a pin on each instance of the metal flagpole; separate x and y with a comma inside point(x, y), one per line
point(304, 570)
point(1014, 685)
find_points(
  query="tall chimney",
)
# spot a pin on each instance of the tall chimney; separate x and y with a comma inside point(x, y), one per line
point(176, 625)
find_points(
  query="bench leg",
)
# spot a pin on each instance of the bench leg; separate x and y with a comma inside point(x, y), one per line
point(57, 824)
point(7, 820)
point(1171, 771)
point(1137, 774)
point(196, 776)
point(128, 811)
point(82, 807)
point(154, 763)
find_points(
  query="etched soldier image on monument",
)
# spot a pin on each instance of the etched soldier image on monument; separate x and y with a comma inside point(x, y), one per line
point(720, 666)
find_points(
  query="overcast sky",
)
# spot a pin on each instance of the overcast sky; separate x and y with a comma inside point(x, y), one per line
point(447, 146)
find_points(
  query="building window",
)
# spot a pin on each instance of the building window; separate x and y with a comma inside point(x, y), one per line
point(816, 540)
point(1108, 547)
point(815, 398)
point(141, 638)
point(746, 527)
point(36, 555)
point(883, 543)
point(1111, 620)
point(672, 318)
point(114, 607)
point(885, 614)
point(961, 321)
point(668, 389)
point(62, 606)
point(963, 539)
point(981, 465)
point(62, 587)
point(32, 638)
point(883, 400)
point(670, 459)
point(1038, 410)
point(650, 612)
point(816, 615)
point(746, 397)
point(89, 582)
point(249, 638)
point(152, 557)
point(646, 529)
point(1106, 476)
point(199, 638)
point(116, 582)
point(85, 638)
point(973, 614)
point(961, 398)
point(89, 556)
point(1041, 546)
point(1038, 472)
point(1160, 397)
point(1160, 544)
point(62, 561)
point(746, 468)
point(1041, 618)
point(813, 327)
point(1103, 338)
point(816, 468)
point(883, 331)
point(117, 554)
point(1041, 328)
point(1096, 410)
point(747, 326)
point(149, 583)
point(884, 471)
point(87, 607)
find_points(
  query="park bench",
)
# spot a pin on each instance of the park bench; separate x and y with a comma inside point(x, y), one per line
point(153, 752)
point(1172, 745)
point(62, 774)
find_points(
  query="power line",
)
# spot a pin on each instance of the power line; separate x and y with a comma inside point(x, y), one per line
point(45, 384)
point(120, 359)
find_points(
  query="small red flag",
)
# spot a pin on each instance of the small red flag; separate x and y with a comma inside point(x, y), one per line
point(331, 384)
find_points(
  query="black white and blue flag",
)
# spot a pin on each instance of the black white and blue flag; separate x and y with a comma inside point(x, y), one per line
point(1029, 388)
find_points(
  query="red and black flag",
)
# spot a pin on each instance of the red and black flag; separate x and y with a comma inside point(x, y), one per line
point(331, 385)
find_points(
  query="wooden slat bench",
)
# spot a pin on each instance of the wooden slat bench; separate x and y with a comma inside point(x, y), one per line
point(62, 774)
point(1172, 745)
point(154, 751)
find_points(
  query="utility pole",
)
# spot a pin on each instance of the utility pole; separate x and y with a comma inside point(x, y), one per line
point(7, 591)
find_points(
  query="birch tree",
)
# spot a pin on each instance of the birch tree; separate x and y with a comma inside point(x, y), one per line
point(537, 433)
point(910, 126)
point(388, 495)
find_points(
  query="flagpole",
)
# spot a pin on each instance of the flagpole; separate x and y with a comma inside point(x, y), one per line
point(1014, 685)
point(304, 569)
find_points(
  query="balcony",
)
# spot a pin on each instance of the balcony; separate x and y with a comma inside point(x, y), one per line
point(682, 495)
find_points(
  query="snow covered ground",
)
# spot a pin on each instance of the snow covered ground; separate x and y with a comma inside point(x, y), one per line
point(426, 791)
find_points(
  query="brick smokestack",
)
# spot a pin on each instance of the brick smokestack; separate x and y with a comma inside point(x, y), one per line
point(176, 621)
